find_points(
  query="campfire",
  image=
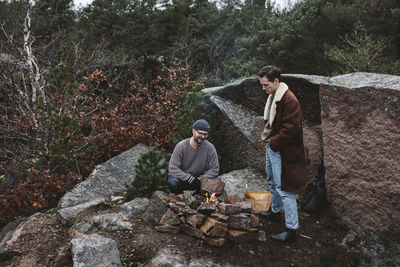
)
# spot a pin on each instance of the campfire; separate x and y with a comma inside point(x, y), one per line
point(212, 197)
point(212, 217)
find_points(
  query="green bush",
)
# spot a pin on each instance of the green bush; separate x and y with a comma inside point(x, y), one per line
point(196, 105)
point(151, 174)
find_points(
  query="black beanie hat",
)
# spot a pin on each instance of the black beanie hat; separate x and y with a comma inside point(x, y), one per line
point(201, 125)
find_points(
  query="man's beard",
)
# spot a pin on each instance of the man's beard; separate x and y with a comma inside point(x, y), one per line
point(198, 140)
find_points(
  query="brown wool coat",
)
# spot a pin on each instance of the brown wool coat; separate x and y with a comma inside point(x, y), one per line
point(287, 138)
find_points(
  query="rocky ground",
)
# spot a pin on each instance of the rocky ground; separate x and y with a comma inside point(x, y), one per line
point(320, 246)
point(321, 241)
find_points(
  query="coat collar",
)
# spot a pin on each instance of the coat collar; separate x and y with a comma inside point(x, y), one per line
point(269, 114)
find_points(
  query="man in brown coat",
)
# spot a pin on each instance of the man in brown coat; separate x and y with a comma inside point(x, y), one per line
point(285, 161)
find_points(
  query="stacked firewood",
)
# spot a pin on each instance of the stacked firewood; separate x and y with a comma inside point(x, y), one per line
point(212, 219)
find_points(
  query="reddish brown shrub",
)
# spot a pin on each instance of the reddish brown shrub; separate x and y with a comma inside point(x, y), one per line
point(84, 126)
point(34, 194)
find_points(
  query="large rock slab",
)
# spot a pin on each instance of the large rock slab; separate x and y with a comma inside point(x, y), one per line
point(249, 94)
point(241, 106)
point(114, 220)
point(312, 138)
point(246, 92)
point(361, 141)
point(36, 241)
point(240, 116)
point(365, 79)
point(306, 89)
point(237, 128)
point(8, 231)
point(106, 179)
point(9, 235)
point(65, 215)
point(235, 182)
point(95, 250)
point(16, 231)
point(357, 117)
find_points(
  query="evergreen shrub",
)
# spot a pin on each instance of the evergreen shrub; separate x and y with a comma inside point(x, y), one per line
point(151, 173)
point(197, 105)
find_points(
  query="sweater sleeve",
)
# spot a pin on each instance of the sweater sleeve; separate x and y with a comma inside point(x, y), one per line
point(175, 163)
point(291, 125)
point(212, 164)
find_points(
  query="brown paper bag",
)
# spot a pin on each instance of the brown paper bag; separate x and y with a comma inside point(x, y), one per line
point(260, 201)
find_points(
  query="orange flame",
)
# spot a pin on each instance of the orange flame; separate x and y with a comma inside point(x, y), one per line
point(211, 198)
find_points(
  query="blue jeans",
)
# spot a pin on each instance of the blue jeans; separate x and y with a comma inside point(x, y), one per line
point(278, 196)
point(177, 186)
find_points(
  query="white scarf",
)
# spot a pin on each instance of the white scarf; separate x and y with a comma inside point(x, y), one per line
point(269, 114)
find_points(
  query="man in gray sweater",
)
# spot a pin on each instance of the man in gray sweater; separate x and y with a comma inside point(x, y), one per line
point(193, 159)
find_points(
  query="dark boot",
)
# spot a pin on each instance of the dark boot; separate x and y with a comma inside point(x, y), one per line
point(272, 216)
point(285, 237)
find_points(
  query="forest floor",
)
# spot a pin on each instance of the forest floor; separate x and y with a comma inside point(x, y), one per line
point(46, 243)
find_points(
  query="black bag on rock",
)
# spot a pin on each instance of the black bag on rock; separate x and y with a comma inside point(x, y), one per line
point(314, 198)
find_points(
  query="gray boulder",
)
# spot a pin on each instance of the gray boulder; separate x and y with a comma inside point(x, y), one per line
point(8, 235)
point(136, 205)
point(361, 142)
point(156, 208)
point(84, 227)
point(246, 92)
point(235, 182)
point(165, 257)
point(240, 116)
point(65, 215)
point(365, 79)
point(106, 179)
point(306, 89)
point(378, 249)
point(238, 128)
point(111, 222)
point(240, 108)
point(359, 120)
point(13, 232)
point(95, 250)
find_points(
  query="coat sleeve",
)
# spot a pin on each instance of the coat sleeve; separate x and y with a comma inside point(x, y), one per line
point(291, 125)
point(175, 163)
point(212, 164)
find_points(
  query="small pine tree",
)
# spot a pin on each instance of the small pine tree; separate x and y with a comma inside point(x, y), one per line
point(151, 173)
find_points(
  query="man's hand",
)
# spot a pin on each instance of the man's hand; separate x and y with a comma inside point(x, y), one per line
point(196, 183)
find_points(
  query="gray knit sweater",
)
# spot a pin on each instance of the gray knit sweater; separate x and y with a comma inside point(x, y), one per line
point(187, 163)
